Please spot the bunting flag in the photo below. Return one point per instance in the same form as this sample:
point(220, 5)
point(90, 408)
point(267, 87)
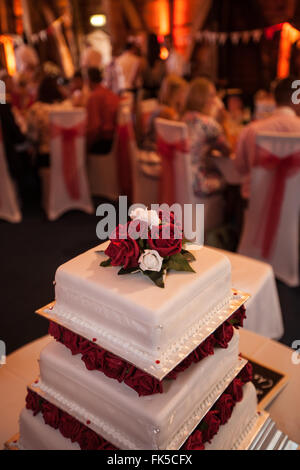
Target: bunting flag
point(239, 37)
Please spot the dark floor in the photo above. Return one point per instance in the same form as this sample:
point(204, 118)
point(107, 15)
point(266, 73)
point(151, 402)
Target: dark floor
point(30, 253)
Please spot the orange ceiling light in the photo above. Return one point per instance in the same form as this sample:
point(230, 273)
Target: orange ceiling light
point(9, 54)
point(181, 23)
point(157, 17)
point(289, 35)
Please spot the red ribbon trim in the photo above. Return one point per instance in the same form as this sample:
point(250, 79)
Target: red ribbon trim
point(283, 168)
point(168, 151)
point(69, 160)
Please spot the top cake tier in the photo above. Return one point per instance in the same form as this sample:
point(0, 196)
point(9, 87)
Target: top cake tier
point(134, 319)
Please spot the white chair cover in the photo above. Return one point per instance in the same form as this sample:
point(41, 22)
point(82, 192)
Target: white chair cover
point(172, 133)
point(103, 170)
point(68, 187)
point(144, 188)
point(271, 230)
point(9, 207)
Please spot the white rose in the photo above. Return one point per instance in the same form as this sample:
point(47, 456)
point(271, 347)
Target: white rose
point(150, 217)
point(150, 260)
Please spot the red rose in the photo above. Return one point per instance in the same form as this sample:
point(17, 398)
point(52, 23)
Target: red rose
point(33, 402)
point(55, 330)
point(88, 439)
point(93, 358)
point(237, 319)
point(71, 341)
point(224, 407)
point(224, 335)
point(107, 446)
point(167, 217)
point(51, 415)
point(206, 348)
point(210, 426)
point(235, 389)
point(114, 367)
point(124, 253)
point(138, 228)
point(246, 374)
point(143, 383)
point(194, 442)
point(70, 427)
point(85, 345)
point(166, 240)
point(185, 364)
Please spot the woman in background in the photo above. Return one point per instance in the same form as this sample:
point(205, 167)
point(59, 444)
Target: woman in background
point(171, 102)
point(49, 99)
point(205, 135)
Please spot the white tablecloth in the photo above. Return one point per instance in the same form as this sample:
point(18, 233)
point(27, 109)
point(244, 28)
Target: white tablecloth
point(22, 369)
point(263, 308)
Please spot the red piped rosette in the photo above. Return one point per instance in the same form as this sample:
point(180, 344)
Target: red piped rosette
point(114, 367)
point(88, 439)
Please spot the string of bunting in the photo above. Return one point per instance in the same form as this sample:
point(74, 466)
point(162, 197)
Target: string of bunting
point(238, 37)
point(43, 34)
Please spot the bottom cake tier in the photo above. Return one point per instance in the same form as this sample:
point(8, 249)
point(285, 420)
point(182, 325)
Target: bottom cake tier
point(36, 435)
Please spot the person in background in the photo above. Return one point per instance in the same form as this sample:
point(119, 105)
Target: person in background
point(102, 109)
point(284, 120)
point(130, 66)
point(38, 125)
point(15, 144)
point(154, 69)
point(171, 102)
point(113, 77)
point(78, 90)
point(205, 135)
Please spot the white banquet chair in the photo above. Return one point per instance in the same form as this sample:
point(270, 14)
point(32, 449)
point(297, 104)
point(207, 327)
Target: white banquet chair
point(173, 134)
point(9, 207)
point(144, 188)
point(103, 170)
point(271, 229)
point(67, 186)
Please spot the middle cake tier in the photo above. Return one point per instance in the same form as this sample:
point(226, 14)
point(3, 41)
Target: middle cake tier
point(114, 411)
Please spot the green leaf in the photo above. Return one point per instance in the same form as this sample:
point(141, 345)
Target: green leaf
point(179, 263)
point(157, 278)
point(123, 271)
point(188, 255)
point(106, 263)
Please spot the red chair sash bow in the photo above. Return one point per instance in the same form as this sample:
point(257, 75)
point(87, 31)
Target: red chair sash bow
point(69, 157)
point(168, 151)
point(283, 169)
point(124, 134)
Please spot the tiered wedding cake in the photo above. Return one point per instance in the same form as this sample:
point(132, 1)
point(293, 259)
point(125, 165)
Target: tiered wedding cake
point(135, 366)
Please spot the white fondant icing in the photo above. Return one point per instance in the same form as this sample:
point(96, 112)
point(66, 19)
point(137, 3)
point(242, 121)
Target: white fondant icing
point(36, 435)
point(119, 415)
point(134, 317)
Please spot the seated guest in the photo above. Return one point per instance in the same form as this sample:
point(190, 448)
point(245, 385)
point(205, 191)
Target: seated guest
point(205, 135)
point(78, 90)
point(171, 104)
point(38, 130)
point(102, 109)
point(284, 120)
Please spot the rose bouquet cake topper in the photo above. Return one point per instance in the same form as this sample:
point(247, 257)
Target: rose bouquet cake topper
point(150, 243)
